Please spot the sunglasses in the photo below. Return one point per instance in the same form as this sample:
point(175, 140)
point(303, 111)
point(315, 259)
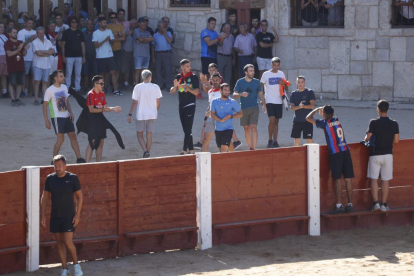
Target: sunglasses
point(263, 24)
point(113, 17)
point(166, 21)
point(101, 83)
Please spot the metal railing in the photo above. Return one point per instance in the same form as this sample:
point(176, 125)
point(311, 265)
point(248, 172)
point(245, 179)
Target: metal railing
point(317, 13)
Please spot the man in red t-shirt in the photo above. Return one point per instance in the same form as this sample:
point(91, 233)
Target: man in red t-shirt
point(96, 102)
point(15, 51)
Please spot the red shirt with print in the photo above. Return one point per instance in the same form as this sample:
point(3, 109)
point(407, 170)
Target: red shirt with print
point(97, 100)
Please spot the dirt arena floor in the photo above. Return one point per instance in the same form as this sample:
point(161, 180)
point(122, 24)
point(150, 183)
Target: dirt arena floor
point(385, 251)
point(25, 141)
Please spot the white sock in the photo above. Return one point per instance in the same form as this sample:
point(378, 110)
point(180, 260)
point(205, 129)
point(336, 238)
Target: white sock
point(25, 90)
point(4, 91)
point(338, 205)
point(349, 204)
point(126, 83)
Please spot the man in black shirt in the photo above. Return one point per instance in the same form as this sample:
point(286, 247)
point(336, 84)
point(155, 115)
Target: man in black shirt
point(188, 87)
point(382, 132)
point(89, 68)
point(302, 102)
point(265, 42)
point(73, 52)
point(62, 186)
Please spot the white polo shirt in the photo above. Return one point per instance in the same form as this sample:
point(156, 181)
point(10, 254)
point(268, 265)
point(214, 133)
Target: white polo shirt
point(41, 62)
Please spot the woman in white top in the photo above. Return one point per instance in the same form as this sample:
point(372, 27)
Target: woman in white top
point(3, 62)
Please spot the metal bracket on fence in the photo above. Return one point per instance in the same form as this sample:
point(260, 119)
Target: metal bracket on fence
point(204, 213)
point(314, 210)
point(33, 221)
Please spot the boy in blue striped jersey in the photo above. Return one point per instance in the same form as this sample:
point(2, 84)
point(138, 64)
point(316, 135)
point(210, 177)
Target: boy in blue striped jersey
point(340, 156)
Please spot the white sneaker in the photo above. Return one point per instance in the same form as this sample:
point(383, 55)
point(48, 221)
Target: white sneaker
point(78, 270)
point(376, 207)
point(384, 207)
point(65, 272)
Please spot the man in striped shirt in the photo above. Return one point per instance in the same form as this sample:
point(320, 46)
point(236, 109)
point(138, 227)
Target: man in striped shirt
point(339, 154)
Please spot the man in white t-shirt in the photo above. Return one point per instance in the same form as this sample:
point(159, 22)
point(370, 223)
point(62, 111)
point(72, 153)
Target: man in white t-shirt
point(27, 35)
point(271, 81)
point(56, 97)
point(103, 38)
point(146, 96)
point(60, 26)
point(42, 50)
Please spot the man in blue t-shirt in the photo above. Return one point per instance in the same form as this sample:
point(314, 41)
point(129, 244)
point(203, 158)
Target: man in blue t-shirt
point(247, 89)
point(302, 102)
point(209, 40)
point(223, 110)
point(340, 156)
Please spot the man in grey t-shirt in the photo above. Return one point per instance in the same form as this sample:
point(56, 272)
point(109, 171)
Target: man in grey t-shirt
point(335, 12)
point(142, 38)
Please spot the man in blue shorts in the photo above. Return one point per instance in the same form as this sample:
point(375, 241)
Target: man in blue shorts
point(223, 110)
point(340, 156)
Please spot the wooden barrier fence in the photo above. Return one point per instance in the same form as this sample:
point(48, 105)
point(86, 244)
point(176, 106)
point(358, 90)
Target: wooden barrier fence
point(150, 205)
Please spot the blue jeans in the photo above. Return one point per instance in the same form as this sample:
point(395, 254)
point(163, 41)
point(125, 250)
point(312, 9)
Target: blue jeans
point(70, 61)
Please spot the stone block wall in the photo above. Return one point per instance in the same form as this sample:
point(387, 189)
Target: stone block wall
point(365, 60)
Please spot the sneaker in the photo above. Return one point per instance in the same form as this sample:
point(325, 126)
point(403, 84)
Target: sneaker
point(270, 144)
point(80, 160)
point(146, 154)
point(384, 207)
point(19, 102)
point(117, 93)
point(65, 272)
point(376, 207)
point(51, 163)
point(23, 95)
point(275, 145)
point(349, 209)
point(78, 270)
point(36, 103)
point(198, 145)
point(183, 153)
point(13, 103)
point(237, 144)
point(337, 210)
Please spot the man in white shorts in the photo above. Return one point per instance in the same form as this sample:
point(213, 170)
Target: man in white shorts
point(382, 133)
point(146, 96)
point(265, 42)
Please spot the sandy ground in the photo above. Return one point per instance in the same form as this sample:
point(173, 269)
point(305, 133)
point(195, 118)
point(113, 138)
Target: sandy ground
point(384, 251)
point(25, 141)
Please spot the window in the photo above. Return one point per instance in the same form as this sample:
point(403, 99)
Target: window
point(317, 13)
point(190, 3)
point(402, 13)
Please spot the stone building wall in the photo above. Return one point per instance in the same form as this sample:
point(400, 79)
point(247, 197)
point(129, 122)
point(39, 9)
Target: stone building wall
point(366, 60)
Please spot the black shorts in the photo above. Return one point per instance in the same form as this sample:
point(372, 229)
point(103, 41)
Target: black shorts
point(105, 64)
point(16, 77)
point(274, 110)
point(63, 125)
point(205, 62)
point(223, 138)
point(341, 164)
point(305, 127)
point(60, 225)
point(118, 59)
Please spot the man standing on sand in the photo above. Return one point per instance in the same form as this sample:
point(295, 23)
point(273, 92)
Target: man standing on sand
point(62, 187)
point(385, 132)
point(302, 102)
point(247, 89)
point(223, 110)
point(186, 83)
point(272, 80)
point(96, 102)
point(15, 51)
point(146, 96)
point(340, 157)
point(56, 97)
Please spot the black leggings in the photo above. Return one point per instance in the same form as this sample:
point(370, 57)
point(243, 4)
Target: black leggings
point(187, 118)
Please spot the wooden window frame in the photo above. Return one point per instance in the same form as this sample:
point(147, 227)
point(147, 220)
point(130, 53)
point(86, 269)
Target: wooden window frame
point(295, 21)
point(180, 4)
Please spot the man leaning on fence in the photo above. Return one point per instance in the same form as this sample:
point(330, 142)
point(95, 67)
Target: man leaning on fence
point(382, 133)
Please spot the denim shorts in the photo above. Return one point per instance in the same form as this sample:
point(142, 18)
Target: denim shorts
point(27, 67)
point(141, 62)
point(40, 74)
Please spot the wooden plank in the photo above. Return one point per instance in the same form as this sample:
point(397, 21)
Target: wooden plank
point(136, 193)
point(15, 10)
point(134, 13)
point(61, 5)
point(160, 200)
point(104, 5)
point(160, 180)
point(259, 222)
point(161, 171)
point(259, 208)
point(30, 7)
point(121, 202)
point(159, 162)
point(12, 234)
point(83, 240)
point(160, 232)
point(90, 10)
point(158, 225)
point(14, 250)
point(159, 209)
point(76, 8)
point(118, 5)
point(168, 220)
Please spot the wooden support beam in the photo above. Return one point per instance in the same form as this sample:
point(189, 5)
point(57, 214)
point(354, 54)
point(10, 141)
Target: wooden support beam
point(118, 5)
point(30, 8)
point(44, 12)
point(90, 10)
point(104, 6)
point(133, 9)
point(76, 8)
point(15, 10)
point(61, 5)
